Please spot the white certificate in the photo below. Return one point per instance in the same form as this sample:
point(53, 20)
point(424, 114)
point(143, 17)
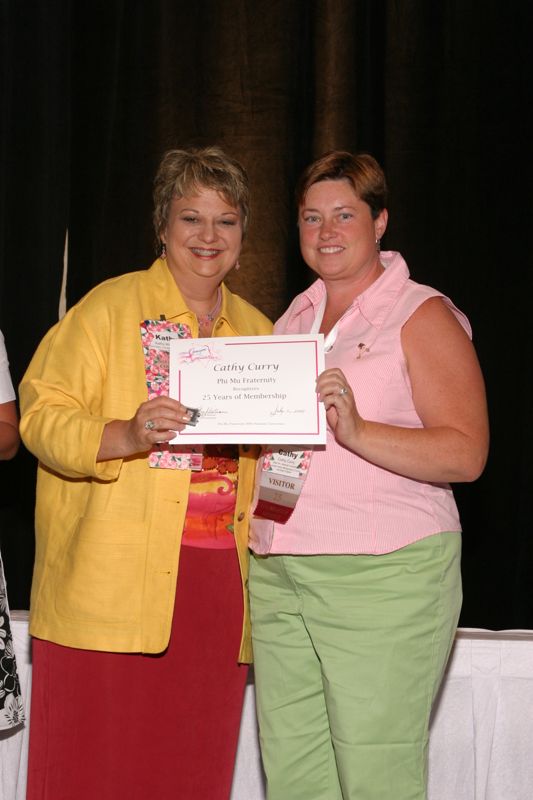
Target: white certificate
point(250, 389)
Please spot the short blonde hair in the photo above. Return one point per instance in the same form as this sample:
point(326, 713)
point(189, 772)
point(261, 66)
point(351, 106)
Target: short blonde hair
point(184, 172)
point(362, 171)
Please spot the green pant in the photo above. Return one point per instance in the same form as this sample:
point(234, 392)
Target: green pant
point(349, 653)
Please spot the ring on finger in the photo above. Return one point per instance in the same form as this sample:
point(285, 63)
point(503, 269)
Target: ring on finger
point(149, 425)
point(344, 390)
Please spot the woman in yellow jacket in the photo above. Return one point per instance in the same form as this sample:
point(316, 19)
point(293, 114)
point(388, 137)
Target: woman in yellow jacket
point(137, 686)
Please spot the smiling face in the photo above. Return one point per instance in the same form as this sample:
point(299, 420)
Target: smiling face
point(203, 238)
point(338, 235)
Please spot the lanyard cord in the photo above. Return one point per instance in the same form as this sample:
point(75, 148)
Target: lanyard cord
point(331, 338)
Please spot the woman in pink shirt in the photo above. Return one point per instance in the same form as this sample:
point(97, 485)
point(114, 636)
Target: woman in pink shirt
point(355, 597)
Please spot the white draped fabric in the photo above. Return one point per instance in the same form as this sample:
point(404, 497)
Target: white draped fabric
point(481, 740)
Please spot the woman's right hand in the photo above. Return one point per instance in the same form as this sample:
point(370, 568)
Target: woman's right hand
point(154, 422)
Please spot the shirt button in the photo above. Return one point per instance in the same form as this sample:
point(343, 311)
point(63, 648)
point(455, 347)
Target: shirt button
point(240, 517)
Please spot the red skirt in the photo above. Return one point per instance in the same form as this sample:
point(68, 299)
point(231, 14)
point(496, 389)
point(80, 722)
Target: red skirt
point(119, 726)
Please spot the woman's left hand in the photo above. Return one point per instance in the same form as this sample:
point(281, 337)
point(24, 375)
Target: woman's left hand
point(343, 417)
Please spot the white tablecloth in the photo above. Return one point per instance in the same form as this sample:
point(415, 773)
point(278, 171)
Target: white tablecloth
point(481, 740)
point(481, 737)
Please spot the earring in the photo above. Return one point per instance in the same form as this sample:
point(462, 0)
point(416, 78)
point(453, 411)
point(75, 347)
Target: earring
point(378, 245)
point(163, 252)
point(237, 265)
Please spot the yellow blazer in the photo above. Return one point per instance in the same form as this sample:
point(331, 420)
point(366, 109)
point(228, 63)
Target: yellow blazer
point(108, 534)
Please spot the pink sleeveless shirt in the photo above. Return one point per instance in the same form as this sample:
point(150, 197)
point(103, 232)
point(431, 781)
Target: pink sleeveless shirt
point(349, 505)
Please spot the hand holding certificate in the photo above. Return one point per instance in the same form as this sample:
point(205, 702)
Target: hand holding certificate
point(250, 389)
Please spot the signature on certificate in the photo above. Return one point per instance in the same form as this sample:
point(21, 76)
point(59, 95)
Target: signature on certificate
point(282, 411)
point(209, 412)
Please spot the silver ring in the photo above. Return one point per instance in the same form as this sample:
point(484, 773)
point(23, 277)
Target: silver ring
point(149, 424)
point(344, 390)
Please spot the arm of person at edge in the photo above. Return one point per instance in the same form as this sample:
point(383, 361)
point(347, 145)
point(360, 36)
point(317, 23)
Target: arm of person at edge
point(448, 395)
point(9, 430)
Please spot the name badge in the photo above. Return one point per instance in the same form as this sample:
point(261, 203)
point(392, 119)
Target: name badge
point(282, 477)
point(156, 335)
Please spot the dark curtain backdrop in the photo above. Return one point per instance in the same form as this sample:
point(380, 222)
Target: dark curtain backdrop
point(93, 93)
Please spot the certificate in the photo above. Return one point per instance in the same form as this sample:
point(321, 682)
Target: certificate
point(250, 389)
